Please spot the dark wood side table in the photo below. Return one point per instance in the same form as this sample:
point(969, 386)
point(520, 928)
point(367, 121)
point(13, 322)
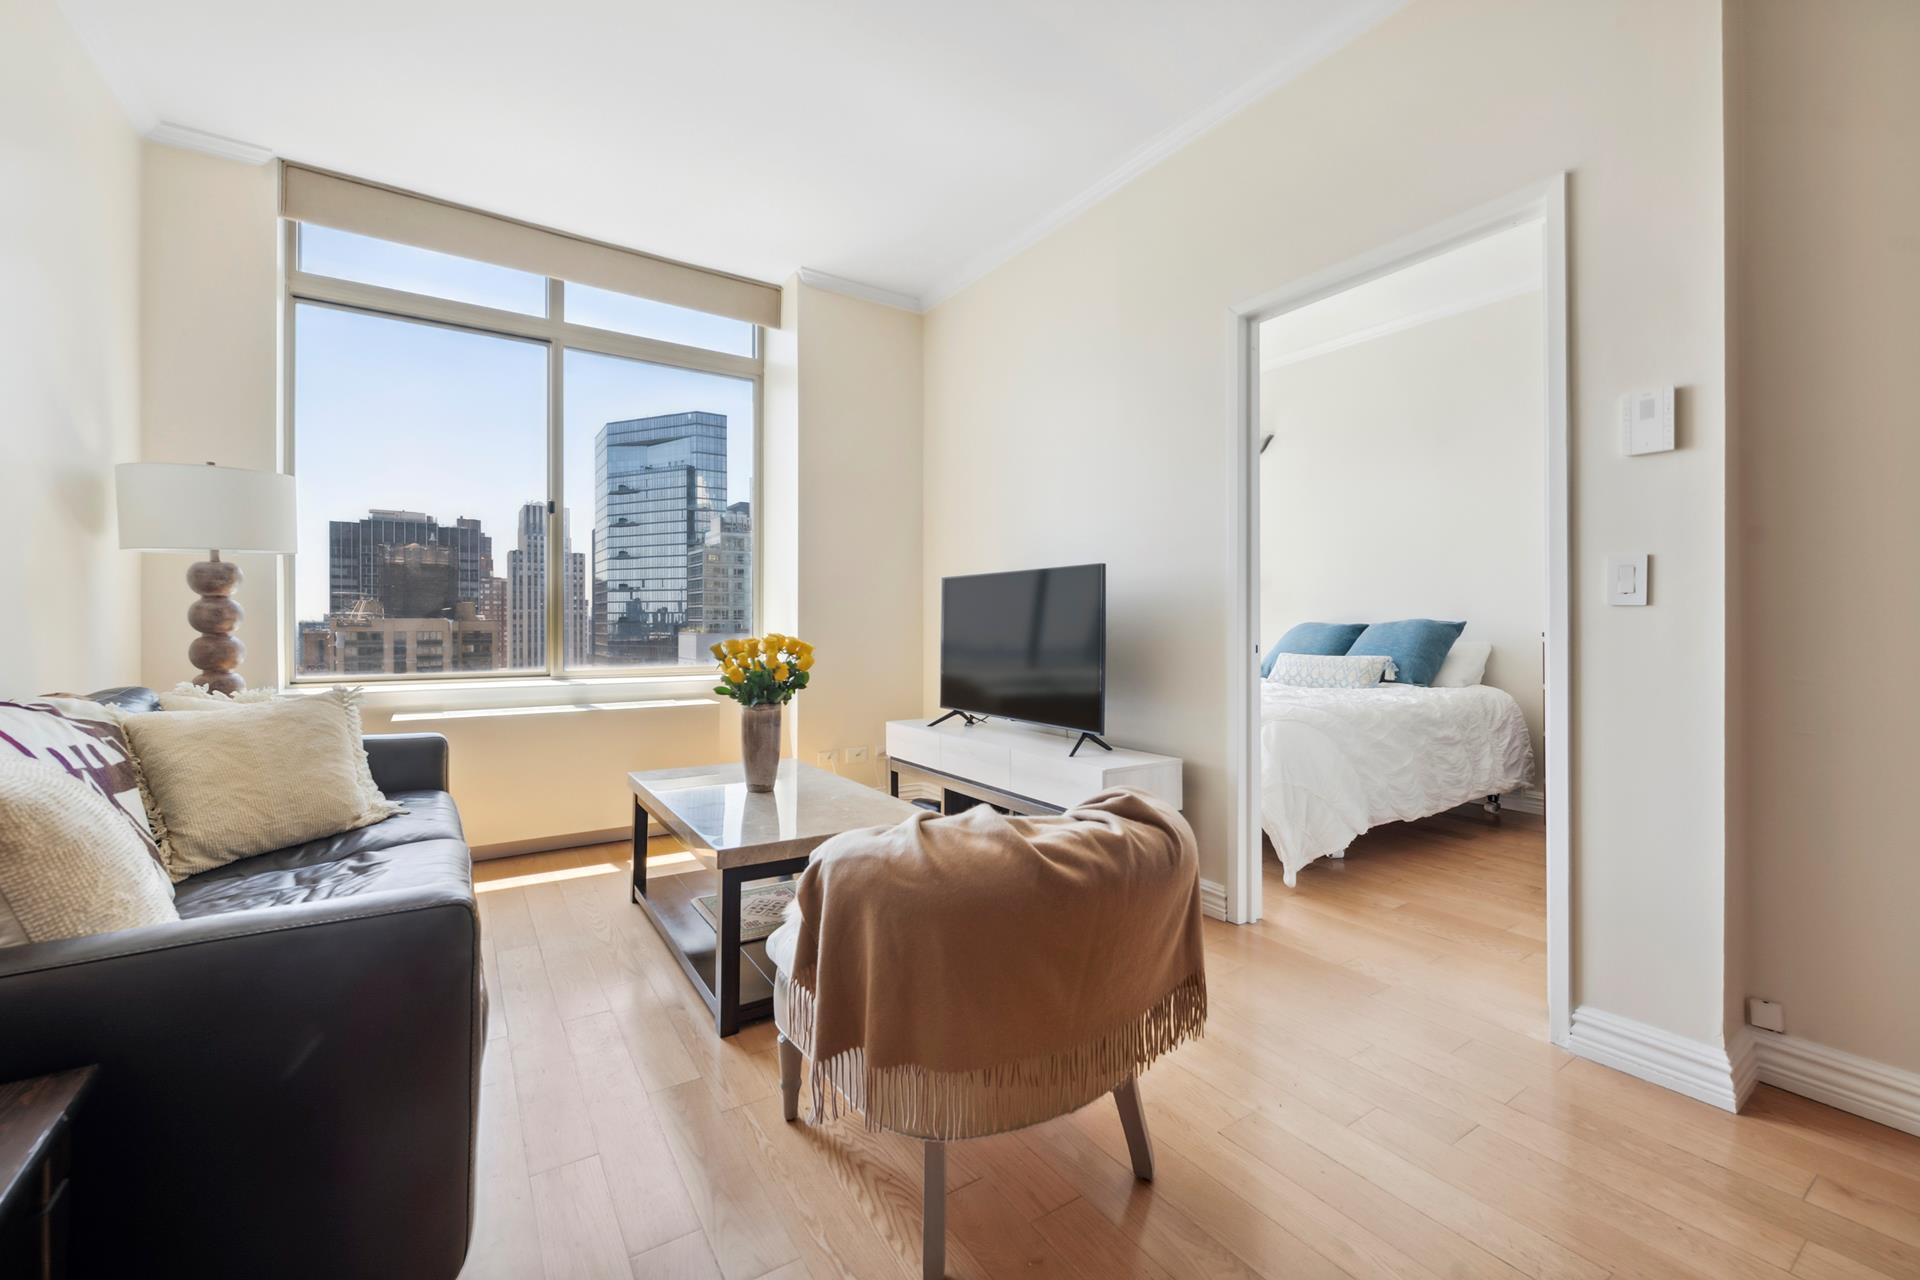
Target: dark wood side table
point(36, 1122)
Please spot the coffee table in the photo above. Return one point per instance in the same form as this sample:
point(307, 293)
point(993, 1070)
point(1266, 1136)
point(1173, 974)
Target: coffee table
point(750, 837)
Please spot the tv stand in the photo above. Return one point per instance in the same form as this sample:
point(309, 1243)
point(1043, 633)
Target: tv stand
point(1084, 739)
point(968, 716)
point(1019, 767)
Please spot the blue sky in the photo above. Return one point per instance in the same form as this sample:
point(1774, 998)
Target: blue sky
point(391, 413)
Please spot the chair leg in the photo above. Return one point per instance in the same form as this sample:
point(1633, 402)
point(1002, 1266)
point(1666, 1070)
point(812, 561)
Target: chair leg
point(933, 1213)
point(789, 1079)
point(1133, 1120)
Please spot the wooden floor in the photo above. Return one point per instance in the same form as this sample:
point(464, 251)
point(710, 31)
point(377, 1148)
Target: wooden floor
point(1374, 1096)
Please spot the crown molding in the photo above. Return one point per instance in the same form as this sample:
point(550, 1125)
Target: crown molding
point(168, 134)
point(119, 81)
point(857, 289)
point(1354, 18)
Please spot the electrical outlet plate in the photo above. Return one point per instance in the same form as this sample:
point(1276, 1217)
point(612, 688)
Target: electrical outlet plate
point(856, 755)
point(825, 759)
point(1768, 1015)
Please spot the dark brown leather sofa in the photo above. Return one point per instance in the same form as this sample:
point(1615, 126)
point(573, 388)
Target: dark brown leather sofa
point(289, 1075)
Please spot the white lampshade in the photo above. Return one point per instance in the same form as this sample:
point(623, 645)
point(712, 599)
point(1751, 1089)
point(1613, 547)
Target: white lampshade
point(167, 506)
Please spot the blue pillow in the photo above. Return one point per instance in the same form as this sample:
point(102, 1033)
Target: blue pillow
point(1329, 639)
point(1417, 646)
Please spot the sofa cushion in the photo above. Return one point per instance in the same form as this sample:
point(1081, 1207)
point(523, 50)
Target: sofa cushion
point(422, 847)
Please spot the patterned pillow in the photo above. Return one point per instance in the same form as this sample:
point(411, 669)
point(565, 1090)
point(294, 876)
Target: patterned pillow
point(1329, 671)
point(84, 740)
point(70, 862)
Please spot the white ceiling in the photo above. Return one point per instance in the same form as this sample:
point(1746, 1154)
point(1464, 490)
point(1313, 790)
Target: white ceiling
point(907, 146)
point(1495, 267)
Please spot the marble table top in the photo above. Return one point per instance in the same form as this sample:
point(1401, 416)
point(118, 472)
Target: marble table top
point(709, 807)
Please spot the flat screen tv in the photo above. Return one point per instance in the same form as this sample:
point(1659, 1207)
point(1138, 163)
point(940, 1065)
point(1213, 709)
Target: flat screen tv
point(1029, 645)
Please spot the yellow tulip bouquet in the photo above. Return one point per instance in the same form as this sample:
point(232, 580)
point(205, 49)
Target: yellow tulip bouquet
point(764, 670)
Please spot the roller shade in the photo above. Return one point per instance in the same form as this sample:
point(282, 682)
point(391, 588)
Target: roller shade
point(346, 204)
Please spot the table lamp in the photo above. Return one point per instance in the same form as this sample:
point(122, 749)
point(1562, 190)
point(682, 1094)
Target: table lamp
point(177, 507)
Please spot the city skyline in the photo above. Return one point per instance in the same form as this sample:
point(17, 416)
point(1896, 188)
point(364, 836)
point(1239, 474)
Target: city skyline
point(396, 415)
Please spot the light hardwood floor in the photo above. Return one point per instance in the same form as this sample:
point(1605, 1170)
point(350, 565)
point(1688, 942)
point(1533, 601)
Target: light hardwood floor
point(1373, 1096)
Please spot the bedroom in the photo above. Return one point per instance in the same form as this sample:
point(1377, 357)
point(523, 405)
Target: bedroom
point(1402, 608)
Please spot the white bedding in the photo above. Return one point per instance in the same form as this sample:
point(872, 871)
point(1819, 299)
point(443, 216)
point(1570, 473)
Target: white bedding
point(1336, 762)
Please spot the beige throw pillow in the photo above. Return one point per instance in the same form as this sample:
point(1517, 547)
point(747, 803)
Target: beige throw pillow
point(256, 777)
point(70, 863)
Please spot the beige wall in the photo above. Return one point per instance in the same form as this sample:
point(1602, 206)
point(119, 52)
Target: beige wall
point(209, 385)
point(1828, 283)
point(1077, 402)
point(849, 512)
point(1406, 479)
point(69, 362)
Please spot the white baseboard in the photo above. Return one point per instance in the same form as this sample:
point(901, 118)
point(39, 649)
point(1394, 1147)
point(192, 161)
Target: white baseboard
point(546, 844)
point(1887, 1095)
point(1706, 1072)
point(1530, 800)
point(1213, 900)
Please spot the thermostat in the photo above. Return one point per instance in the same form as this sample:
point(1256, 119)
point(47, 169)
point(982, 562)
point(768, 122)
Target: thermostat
point(1646, 421)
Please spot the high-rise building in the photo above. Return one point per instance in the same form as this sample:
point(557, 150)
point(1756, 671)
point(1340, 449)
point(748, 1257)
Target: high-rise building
point(656, 484)
point(527, 594)
point(720, 575)
point(364, 641)
point(356, 549)
point(416, 581)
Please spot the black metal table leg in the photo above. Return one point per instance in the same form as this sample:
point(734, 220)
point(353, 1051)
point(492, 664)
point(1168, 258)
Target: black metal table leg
point(639, 852)
point(726, 958)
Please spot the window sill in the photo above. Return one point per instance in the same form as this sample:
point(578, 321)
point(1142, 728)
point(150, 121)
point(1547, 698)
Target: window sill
point(569, 708)
point(414, 701)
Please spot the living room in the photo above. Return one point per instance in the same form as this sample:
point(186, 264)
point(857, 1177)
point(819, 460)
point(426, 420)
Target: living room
point(886, 428)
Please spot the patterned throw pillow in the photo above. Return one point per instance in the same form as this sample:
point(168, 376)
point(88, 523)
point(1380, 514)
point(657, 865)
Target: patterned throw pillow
point(1329, 671)
point(85, 741)
point(70, 862)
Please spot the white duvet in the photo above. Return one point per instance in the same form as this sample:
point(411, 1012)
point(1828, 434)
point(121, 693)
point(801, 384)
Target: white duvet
point(1336, 762)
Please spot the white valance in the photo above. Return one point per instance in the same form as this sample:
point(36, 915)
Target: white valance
point(347, 204)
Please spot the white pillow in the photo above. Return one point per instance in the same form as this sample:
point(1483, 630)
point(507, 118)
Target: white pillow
point(255, 777)
point(1466, 663)
point(1330, 671)
point(70, 862)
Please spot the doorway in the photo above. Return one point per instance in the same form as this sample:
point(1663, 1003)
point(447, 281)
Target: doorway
point(1314, 317)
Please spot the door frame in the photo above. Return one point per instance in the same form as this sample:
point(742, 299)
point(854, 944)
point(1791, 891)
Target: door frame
point(1545, 203)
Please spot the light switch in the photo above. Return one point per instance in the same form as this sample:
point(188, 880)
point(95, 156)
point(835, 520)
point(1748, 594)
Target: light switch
point(1627, 580)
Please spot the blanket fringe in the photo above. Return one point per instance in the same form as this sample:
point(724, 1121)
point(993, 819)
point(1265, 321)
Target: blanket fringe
point(1006, 1096)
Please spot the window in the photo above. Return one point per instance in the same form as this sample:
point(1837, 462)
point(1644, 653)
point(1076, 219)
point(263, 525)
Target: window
point(365, 260)
point(431, 519)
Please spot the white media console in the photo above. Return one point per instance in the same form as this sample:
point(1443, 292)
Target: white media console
point(1022, 768)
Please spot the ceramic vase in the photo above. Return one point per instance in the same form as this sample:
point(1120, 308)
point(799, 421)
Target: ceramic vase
point(760, 745)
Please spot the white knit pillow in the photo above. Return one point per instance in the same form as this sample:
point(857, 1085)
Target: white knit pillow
point(70, 863)
point(1330, 671)
point(256, 777)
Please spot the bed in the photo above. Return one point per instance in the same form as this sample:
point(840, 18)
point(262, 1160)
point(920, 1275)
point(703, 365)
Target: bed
point(1337, 762)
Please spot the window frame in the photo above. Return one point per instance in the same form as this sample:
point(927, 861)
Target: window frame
point(558, 336)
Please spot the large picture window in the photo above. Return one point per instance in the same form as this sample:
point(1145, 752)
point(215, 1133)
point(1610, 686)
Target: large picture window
point(501, 473)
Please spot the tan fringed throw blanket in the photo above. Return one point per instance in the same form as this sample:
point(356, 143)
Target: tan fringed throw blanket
point(963, 976)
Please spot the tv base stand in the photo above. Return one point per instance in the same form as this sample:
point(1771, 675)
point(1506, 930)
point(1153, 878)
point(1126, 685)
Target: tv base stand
point(967, 716)
point(1019, 767)
point(1084, 739)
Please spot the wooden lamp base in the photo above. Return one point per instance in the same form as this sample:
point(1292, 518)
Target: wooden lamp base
point(215, 615)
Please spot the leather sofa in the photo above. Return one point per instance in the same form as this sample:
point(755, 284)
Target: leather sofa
point(290, 1074)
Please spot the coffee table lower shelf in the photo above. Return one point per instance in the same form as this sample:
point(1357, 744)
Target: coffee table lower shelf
point(739, 992)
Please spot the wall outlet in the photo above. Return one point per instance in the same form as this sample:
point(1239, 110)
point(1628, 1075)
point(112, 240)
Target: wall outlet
point(1766, 1015)
point(856, 755)
point(826, 759)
